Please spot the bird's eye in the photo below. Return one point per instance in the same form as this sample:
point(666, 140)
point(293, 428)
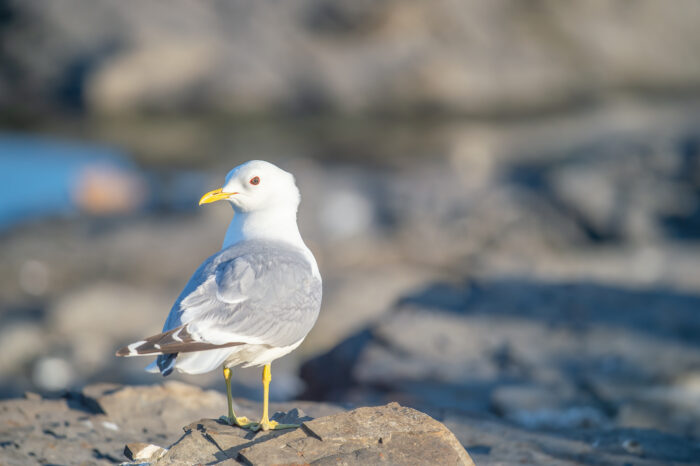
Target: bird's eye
point(255, 180)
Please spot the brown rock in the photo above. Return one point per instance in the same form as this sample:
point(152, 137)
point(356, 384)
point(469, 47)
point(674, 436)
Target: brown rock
point(209, 441)
point(390, 434)
point(143, 451)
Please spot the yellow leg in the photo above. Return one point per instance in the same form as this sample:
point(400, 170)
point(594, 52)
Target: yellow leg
point(265, 423)
point(232, 419)
point(266, 378)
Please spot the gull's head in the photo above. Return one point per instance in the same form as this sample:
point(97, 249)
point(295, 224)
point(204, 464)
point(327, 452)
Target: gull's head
point(256, 185)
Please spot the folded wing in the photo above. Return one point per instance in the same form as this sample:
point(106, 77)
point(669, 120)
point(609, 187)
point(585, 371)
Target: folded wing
point(254, 292)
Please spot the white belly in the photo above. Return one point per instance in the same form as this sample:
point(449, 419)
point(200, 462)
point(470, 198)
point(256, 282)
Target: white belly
point(258, 355)
point(201, 362)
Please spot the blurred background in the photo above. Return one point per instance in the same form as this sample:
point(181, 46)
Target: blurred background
point(503, 196)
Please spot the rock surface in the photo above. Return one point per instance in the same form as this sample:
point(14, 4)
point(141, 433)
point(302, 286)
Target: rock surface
point(94, 426)
point(103, 421)
point(389, 434)
point(102, 424)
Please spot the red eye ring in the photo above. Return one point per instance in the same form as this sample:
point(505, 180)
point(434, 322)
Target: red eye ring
point(255, 180)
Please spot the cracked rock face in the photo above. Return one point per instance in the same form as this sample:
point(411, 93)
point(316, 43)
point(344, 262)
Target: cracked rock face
point(389, 434)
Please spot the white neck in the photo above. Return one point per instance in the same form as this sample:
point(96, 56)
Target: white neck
point(270, 224)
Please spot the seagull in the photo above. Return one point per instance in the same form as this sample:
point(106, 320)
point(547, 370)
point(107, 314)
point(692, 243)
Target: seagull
point(253, 301)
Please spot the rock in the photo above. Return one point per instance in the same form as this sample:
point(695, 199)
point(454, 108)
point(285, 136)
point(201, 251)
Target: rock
point(75, 429)
point(165, 408)
point(57, 431)
point(391, 434)
point(158, 408)
point(145, 452)
point(193, 448)
point(94, 425)
point(210, 441)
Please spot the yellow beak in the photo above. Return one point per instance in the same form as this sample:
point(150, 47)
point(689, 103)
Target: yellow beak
point(213, 196)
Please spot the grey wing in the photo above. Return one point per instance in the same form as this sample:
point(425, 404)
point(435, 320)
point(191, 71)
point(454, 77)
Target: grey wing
point(263, 296)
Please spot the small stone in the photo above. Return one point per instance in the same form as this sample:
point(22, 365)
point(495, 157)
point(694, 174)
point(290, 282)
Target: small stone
point(143, 451)
point(110, 425)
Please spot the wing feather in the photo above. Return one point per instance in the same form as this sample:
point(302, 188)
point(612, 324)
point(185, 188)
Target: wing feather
point(178, 340)
point(256, 292)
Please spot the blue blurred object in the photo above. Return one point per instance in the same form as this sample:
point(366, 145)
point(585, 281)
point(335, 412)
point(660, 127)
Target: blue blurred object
point(40, 177)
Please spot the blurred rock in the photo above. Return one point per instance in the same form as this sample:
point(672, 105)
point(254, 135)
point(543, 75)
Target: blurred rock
point(670, 406)
point(541, 407)
point(490, 442)
point(618, 192)
point(19, 344)
point(349, 57)
point(34, 277)
point(53, 374)
point(553, 356)
point(96, 319)
point(346, 213)
point(356, 300)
